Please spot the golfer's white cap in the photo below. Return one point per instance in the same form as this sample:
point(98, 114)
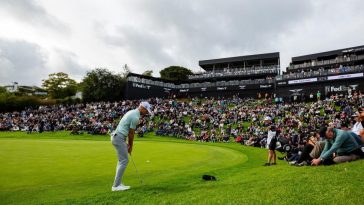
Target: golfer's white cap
point(267, 118)
point(147, 106)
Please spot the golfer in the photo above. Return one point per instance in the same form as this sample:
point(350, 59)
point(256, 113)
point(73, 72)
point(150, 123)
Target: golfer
point(126, 128)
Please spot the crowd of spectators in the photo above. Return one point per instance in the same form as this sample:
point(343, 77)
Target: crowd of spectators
point(93, 118)
point(322, 72)
point(202, 119)
point(236, 72)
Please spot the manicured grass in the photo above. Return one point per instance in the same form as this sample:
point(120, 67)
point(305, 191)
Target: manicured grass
point(56, 168)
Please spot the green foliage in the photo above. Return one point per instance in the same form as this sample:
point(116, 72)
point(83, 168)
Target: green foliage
point(68, 101)
point(125, 71)
point(59, 85)
point(12, 102)
point(102, 85)
point(175, 73)
point(148, 73)
point(2, 89)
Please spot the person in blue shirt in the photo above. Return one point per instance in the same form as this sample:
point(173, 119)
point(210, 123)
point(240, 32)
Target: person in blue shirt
point(126, 129)
point(345, 145)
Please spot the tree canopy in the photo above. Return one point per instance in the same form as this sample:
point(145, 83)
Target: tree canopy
point(175, 73)
point(102, 85)
point(125, 71)
point(60, 85)
point(2, 89)
point(148, 73)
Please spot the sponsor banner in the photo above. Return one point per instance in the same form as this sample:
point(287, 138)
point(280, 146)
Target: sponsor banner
point(282, 83)
point(228, 88)
point(137, 85)
point(307, 80)
point(296, 91)
point(40, 93)
point(337, 77)
point(341, 88)
point(265, 86)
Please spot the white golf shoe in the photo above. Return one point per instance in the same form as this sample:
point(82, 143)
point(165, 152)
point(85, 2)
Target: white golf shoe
point(128, 187)
point(121, 187)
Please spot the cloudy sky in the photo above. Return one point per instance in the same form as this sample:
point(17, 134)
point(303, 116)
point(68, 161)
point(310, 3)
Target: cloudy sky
point(39, 37)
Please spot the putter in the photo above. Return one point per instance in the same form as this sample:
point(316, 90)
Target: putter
point(141, 181)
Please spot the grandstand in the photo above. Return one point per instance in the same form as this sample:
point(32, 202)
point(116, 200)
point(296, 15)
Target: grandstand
point(328, 73)
point(243, 76)
point(337, 72)
point(143, 87)
point(246, 67)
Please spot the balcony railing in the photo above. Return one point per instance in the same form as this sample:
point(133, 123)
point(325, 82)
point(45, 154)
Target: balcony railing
point(340, 59)
point(236, 72)
point(319, 73)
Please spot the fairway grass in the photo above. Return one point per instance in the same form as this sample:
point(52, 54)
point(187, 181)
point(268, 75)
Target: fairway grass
point(56, 168)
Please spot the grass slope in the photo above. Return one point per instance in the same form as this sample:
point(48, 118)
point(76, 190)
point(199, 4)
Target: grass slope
point(56, 168)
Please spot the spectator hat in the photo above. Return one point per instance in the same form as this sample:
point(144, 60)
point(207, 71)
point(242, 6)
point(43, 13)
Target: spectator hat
point(322, 132)
point(147, 106)
point(267, 118)
point(356, 114)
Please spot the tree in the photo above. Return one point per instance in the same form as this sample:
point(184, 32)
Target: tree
point(148, 73)
point(2, 89)
point(126, 71)
point(175, 73)
point(102, 85)
point(59, 85)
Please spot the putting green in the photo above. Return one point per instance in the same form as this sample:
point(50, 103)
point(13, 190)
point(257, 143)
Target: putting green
point(42, 171)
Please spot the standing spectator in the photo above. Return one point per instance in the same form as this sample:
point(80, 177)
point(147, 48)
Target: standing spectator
point(271, 142)
point(318, 95)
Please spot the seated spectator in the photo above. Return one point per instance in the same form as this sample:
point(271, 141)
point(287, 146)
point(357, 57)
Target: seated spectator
point(304, 157)
point(344, 144)
point(239, 139)
point(359, 121)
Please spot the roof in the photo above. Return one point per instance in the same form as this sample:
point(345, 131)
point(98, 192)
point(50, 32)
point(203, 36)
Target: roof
point(208, 63)
point(327, 53)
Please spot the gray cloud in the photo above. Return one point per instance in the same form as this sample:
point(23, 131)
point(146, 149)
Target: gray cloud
point(27, 63)
point(183, 32)
point(21, 61)
point(143, 45)
point(155, 34)
point(67, 62)
point(28, 11)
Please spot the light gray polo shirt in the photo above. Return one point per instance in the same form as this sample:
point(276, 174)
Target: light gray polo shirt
point(129, 121)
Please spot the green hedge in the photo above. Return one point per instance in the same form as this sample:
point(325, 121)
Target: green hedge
point(10, 102)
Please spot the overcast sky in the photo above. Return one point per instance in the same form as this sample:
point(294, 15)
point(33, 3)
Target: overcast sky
point(39, 37)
